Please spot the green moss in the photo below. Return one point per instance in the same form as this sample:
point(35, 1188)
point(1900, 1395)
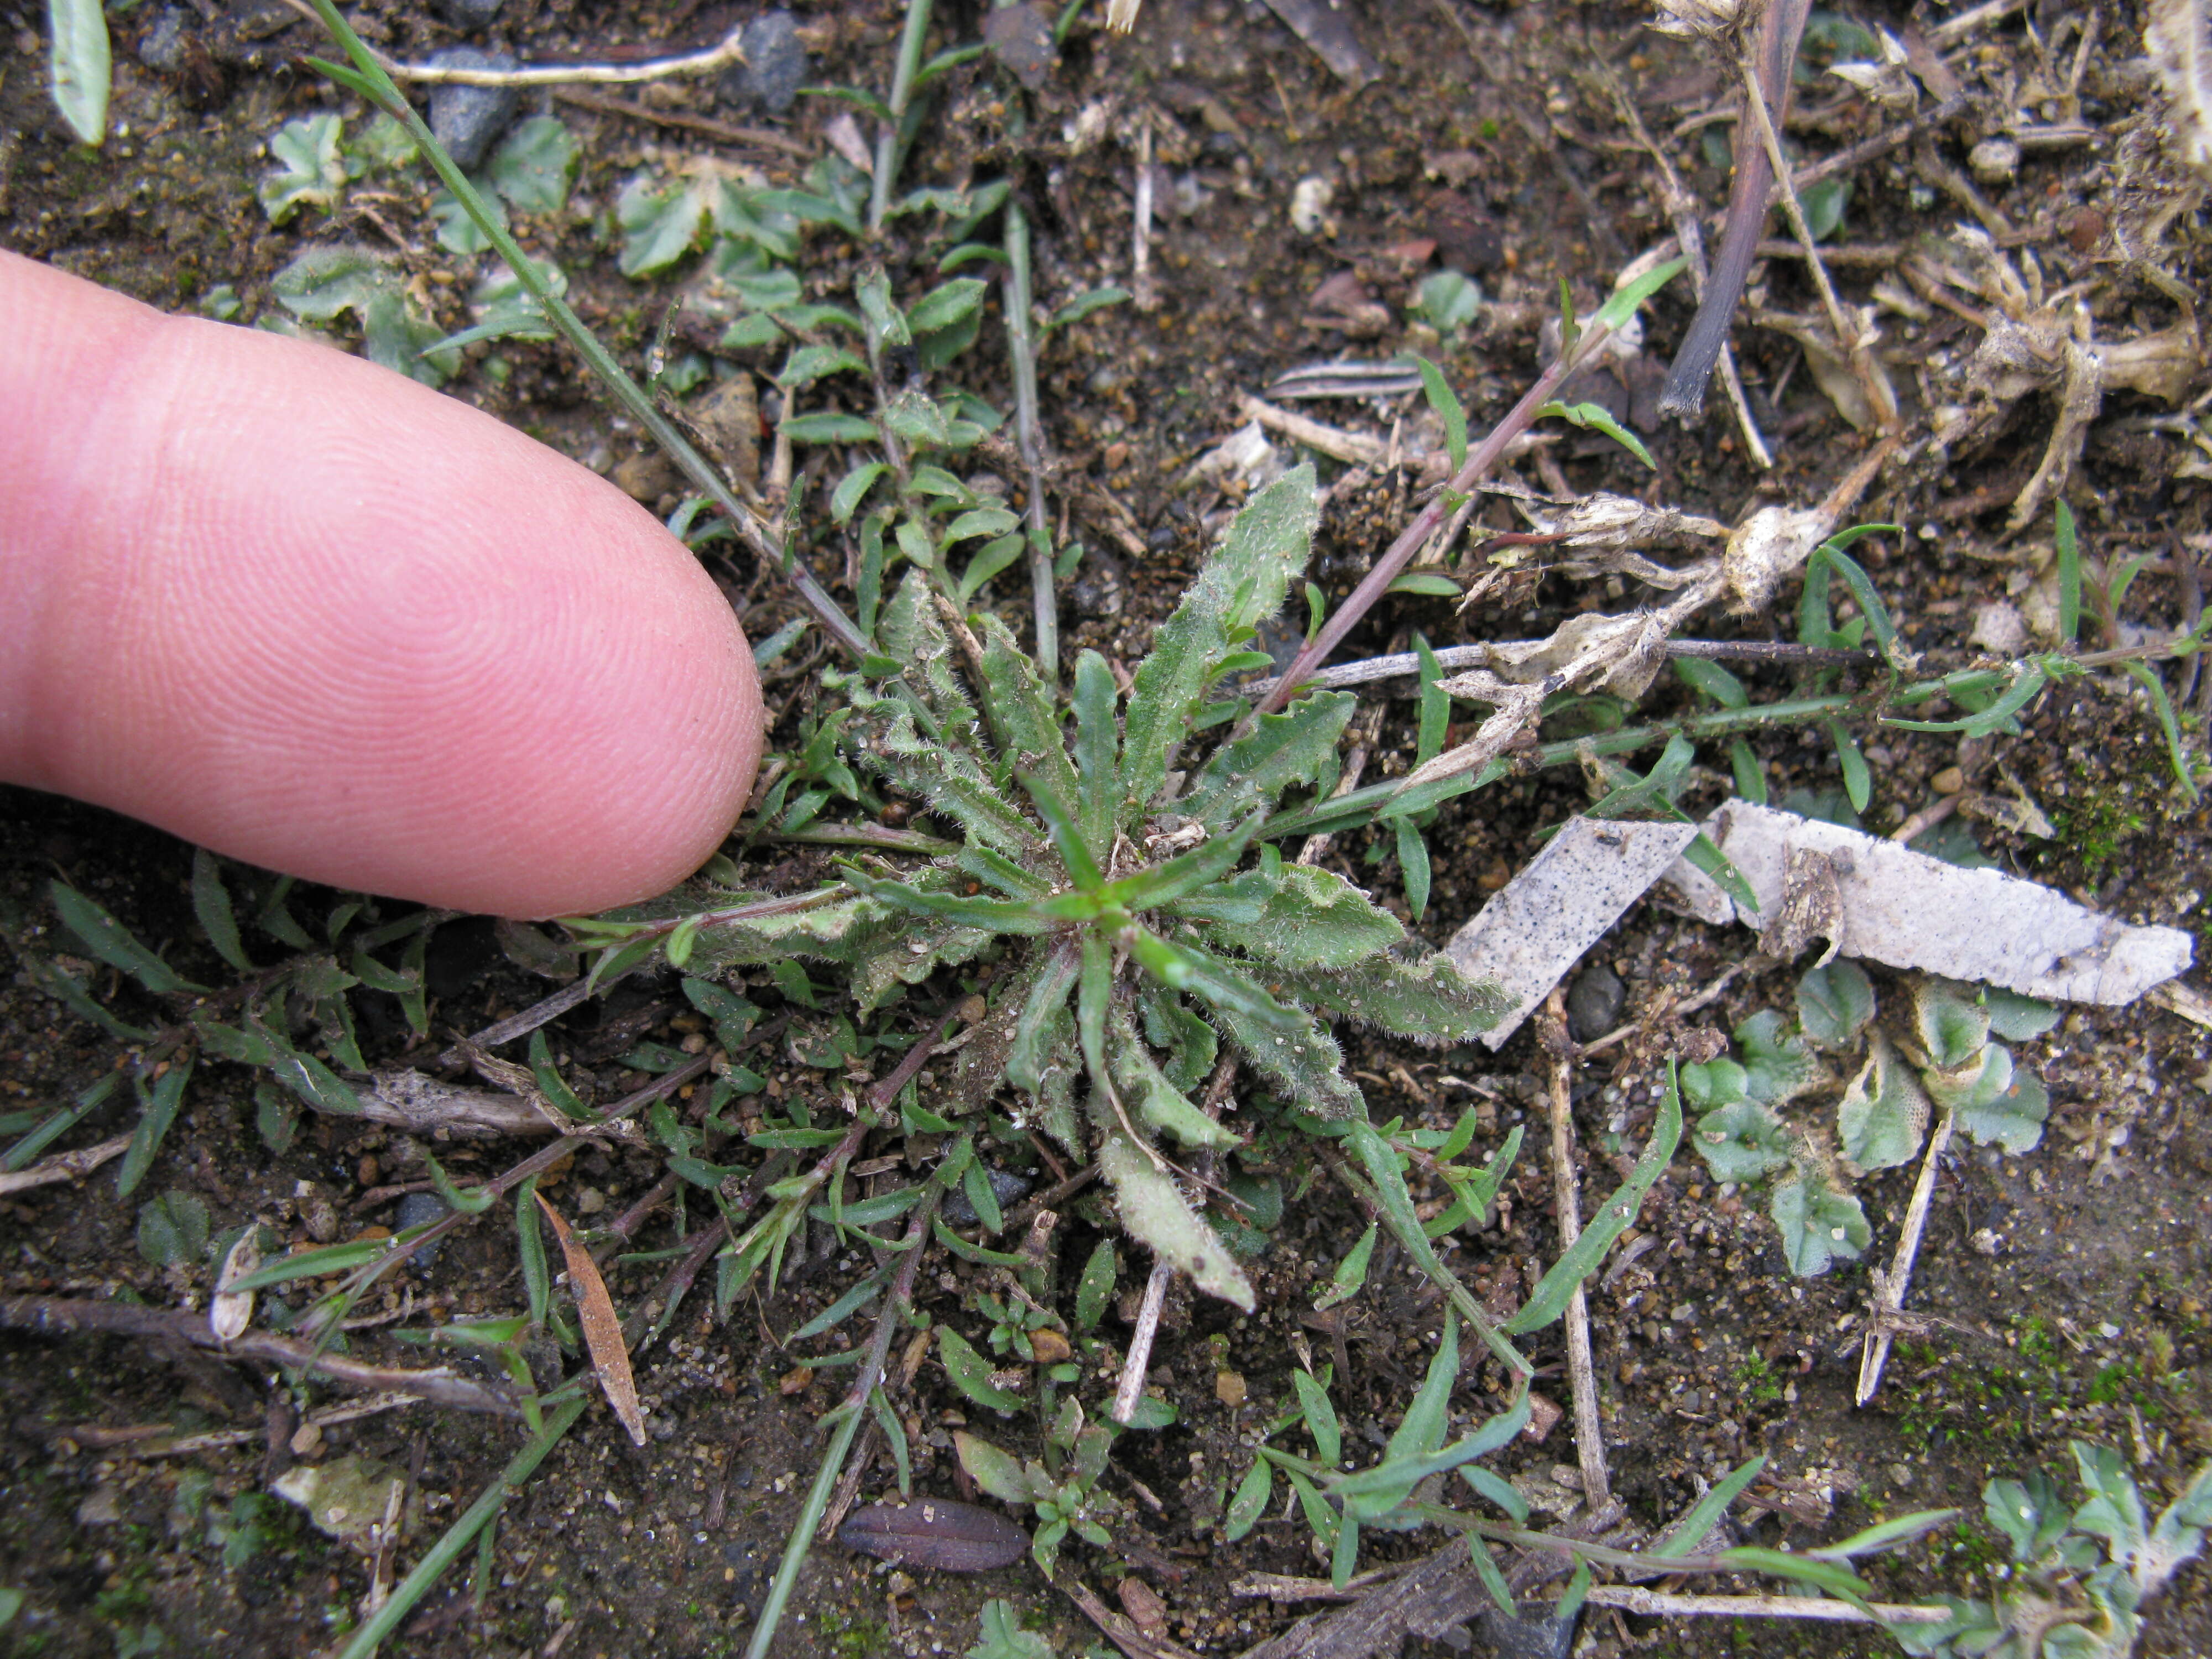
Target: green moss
point(851, 1637)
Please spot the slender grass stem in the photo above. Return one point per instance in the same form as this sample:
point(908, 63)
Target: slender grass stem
point(891, 144)
point(457, 1537)
point(851, 1412)
point(1021, 348)
point(368, 79)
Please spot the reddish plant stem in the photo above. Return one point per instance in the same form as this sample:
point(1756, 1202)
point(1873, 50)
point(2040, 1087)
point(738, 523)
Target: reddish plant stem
point(1377, 580)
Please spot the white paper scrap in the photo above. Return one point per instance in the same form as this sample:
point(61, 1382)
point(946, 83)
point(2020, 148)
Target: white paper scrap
point(1539, 923)
point(1908, 910)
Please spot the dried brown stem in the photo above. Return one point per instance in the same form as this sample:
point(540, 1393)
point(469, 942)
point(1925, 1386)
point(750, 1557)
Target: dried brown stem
point(53, 1315)
point(1890, 1287)
point(1132, 1385)
point(1582, 1369)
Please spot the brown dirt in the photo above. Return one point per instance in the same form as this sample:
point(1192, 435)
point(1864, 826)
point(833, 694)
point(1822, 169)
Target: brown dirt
point(2089, 1320)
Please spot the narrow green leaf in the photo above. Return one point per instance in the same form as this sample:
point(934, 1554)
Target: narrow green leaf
point(1186, 872)
point(1413, 866)
point(1690, 1532)
point(1596, 418)
point(1709, 679)
point(1096, 1289)
point(529, 1249)
point(1250, 1501)
point(1427, 584)
point(113, 944)
point(945, 305)
point(315, 1264)
point(1862, 587)
point(463, 1200)
point(852, 488)
point(1623, 302)
point(82, 65)
point(1485, 1569)
point(157, 1109)
point(212, 904)
point(1097, 751)
point(971, 1373)
point(2070, 574)
point(1549, 1299)
point(1321, 1418)
point(1442, 399)
point(1351, 1274)
point(2147, 676)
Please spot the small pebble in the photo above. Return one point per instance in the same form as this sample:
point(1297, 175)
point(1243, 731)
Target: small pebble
point(470, 14)
point(1593, 1003)
point(1006, 1186)
point(468, 120)
point(415, 1209)
point(776, 63)
point(1309, 201)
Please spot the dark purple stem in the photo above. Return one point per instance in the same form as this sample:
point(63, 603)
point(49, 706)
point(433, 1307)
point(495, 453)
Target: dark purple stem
point(1377, 580)
point(1685, 393)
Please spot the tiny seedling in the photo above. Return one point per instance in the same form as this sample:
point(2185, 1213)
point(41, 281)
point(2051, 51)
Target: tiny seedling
point(2079, 1578)
point(1946, 1061)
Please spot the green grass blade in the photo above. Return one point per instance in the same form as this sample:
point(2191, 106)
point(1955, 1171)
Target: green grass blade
point(1549, 1299)
point(447, 1550)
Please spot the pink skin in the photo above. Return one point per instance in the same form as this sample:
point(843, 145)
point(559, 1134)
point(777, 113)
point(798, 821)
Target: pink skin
point(302, 611)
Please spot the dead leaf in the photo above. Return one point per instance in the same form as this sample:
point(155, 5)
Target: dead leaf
point(232, 1311)
point(1142, 1603)
point(1908, 910)
point(603, 1333)
point(2178, 37)
point(1812, 906)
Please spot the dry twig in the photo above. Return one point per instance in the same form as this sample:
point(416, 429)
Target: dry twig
point(1582, 1369)
point(158, 1326)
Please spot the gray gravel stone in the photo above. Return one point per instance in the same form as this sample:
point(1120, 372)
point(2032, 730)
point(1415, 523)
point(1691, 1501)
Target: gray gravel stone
point(468, 120)
point(415, 1209)
point(776, 63)
point(470, 14)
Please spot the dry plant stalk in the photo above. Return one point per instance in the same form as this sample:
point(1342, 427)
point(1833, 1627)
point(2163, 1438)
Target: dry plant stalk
point(1582, 1368)
point(602, 1331)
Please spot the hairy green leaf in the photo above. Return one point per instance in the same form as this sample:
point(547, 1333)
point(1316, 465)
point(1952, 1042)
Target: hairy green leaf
point(1282, 751)
point(1154, 1214)
point(1158, 1101)
point(1305, 1063)
point(1430, 1000)
point(1242, 583)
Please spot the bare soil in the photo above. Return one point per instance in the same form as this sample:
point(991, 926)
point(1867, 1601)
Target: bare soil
point(2065, 1292)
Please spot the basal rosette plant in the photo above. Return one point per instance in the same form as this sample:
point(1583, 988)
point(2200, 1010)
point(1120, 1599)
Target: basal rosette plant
point(1121, 878)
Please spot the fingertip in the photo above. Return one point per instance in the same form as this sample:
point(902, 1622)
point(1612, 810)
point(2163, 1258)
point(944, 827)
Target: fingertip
point(329, 622)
